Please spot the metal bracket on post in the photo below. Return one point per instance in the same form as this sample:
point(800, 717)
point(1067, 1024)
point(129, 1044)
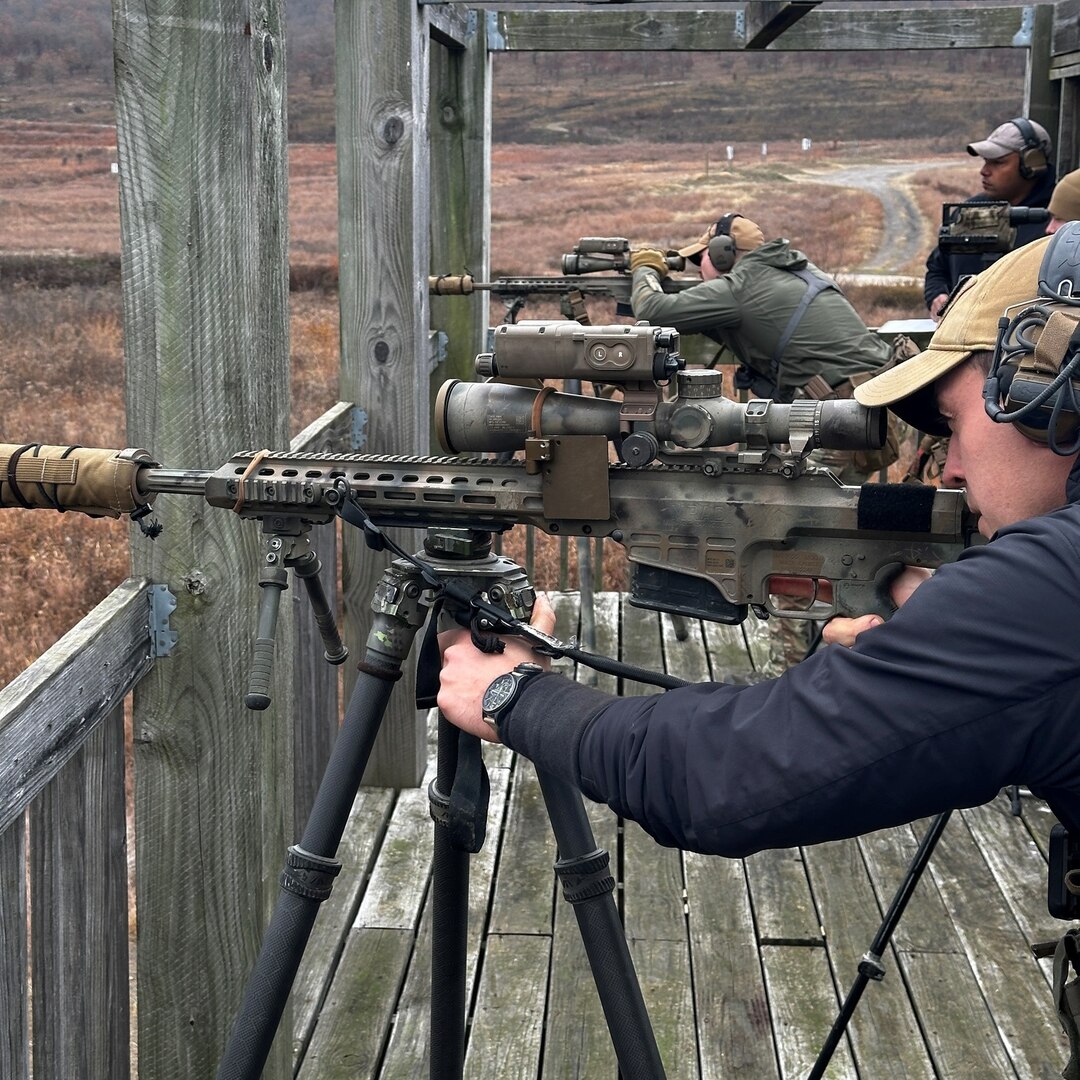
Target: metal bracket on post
point(359, 428)
point(162, 605)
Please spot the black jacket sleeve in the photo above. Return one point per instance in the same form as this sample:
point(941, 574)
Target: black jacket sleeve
point(973, 685)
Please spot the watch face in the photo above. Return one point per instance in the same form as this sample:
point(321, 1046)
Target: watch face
point(498, 693)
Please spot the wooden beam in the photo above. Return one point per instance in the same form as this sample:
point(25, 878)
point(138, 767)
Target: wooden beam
point(765, 22)
point(452, 25)
point(824, 30)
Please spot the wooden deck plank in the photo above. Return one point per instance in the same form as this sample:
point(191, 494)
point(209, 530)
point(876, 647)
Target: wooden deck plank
point(803, 1005)
point(525, 886)
point(1011, 982)
point(783, 905)
point(359, 845)
point(408, 1051)
point(356, 1015)
point(508, 1023)
point(734, 1030)
point(884, 1031)
point(955, 1020)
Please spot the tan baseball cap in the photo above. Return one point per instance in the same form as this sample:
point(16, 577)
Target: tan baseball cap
point(743, 231)
point(969, 325)
point(1065, 202)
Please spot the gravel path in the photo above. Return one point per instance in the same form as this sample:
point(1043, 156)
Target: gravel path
point(903, 240)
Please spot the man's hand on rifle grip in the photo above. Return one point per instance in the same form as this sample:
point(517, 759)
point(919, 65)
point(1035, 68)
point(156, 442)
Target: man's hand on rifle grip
point(467, 672)
point(841, 631)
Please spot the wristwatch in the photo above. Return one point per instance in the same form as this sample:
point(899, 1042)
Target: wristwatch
point(504, 690)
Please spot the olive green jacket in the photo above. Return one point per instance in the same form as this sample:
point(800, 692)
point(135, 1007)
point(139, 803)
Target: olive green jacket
point(748, 310)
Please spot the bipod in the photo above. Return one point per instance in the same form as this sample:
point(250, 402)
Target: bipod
point(454, 565)
point(870, 966)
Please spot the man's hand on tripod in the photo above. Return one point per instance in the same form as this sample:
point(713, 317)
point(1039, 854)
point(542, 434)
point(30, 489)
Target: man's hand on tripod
point(467, 672)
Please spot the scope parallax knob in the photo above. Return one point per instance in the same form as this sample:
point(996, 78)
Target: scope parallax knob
point(639, 448)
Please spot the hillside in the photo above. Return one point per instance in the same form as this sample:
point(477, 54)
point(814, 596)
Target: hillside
point(56, 64)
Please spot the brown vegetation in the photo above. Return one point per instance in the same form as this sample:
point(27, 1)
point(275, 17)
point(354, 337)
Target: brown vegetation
point(61, 351)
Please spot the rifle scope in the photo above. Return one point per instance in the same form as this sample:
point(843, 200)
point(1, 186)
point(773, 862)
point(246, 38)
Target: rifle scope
point(595, 254)
point(568, 350)
point(498, 417)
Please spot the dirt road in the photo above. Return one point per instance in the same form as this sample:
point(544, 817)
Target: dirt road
point(903, 240)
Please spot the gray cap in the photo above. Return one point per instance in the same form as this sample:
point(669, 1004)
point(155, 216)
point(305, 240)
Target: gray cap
point(1008, 139)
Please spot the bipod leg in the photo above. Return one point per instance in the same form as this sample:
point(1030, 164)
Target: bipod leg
point(310, 867)
point(870, 967)
point(588, 885)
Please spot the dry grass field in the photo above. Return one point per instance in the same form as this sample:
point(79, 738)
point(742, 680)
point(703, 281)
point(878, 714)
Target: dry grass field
point(61, 350)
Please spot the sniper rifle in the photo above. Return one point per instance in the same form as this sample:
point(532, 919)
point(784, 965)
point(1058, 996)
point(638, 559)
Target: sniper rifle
point(714, 501)
point(607, 257)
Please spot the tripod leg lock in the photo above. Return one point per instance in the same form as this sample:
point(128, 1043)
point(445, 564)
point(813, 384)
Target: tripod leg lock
point(307, 875)
point(871, 967)
point(586, 876)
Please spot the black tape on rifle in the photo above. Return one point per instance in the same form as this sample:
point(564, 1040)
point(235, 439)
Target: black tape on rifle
point(896, 507)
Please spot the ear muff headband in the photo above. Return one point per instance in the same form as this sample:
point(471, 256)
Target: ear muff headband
point(722, 245)
point(1033, 159)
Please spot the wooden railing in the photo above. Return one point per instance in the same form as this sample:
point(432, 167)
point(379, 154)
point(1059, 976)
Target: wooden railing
point(64, 902)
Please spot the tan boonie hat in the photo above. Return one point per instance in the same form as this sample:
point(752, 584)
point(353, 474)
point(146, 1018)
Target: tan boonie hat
point(1008, 139)
point(1065, 202)
point(743, 231)
point(969, 325)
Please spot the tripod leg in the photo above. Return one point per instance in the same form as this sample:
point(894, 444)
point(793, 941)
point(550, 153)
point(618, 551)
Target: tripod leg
point(311, 866)
point(449, 929)
point(870, 966)
point(588, 885)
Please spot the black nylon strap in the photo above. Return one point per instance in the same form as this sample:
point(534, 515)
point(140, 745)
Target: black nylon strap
point(815, 283)
point(13, 483)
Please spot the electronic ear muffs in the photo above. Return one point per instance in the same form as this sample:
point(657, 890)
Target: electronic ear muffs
point(1034, 379)
point(722, 244)
point(1033, 159)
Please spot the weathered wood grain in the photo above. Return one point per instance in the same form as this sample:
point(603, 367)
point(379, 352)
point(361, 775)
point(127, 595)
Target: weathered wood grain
point(1012, 984)
point(734, 1031)
point(50, 709)
point(14, 1000)
point(79, 914)
point(359, 845)
point(201, 141)
point(803, 1004)
point(884, 1032)
point(383, 230)
point(508, 1024)
point(895, 27)
point(525, 889)
point(355, 1019)
point(958, 1026)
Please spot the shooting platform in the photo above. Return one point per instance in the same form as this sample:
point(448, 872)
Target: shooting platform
point(742, 963)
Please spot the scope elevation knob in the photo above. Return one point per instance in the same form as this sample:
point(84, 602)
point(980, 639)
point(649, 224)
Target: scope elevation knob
point(700, 384)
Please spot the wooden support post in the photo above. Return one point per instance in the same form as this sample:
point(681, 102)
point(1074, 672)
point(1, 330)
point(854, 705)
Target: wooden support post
point(461, 193)
point(383, 207)
point(201, 122)
point(1042, 95)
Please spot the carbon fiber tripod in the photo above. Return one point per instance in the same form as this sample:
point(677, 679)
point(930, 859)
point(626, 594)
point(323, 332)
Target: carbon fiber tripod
point(458, 573)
